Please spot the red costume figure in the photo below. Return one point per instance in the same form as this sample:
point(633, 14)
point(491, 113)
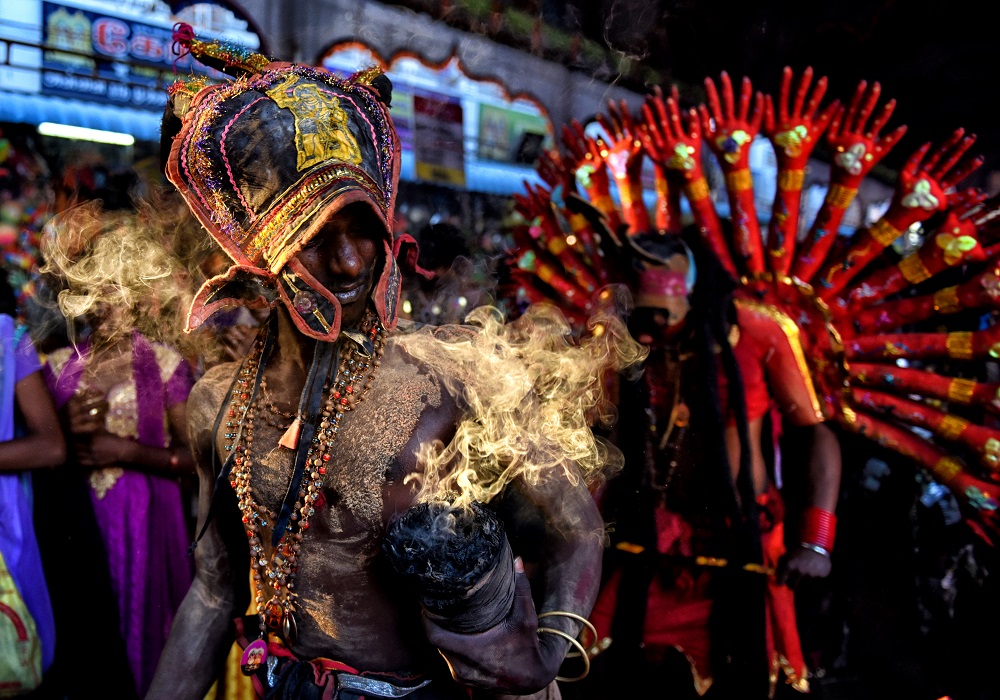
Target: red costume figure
point(696, 517)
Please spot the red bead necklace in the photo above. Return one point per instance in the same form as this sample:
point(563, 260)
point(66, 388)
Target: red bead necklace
point(274, 571)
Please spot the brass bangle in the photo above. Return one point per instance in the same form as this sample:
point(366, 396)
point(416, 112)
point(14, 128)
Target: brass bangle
point(697, 190)
point(583, 653)
point(961, 390)
point(884, 232)
point(913, 269)
point(841, 197)
point(946, 469)
point(579, 618)
point(952, 427)
point(946, 300)
point(959, 345)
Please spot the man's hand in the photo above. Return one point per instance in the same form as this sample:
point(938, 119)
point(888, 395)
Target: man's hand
point(510, 657)
point(800, 563)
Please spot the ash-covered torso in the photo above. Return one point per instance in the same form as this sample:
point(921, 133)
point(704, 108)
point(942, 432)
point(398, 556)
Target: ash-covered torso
point(350, 607)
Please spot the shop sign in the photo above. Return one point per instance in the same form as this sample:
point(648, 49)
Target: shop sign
point(510, 136)
point(438, 149)
point(101, 58)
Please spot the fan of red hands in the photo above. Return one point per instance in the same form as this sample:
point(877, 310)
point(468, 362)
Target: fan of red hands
point(794, 123)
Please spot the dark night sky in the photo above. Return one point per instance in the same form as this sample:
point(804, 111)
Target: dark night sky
point(941, 66)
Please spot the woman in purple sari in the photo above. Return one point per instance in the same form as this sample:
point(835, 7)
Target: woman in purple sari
point(125, 404)
point(122, 391)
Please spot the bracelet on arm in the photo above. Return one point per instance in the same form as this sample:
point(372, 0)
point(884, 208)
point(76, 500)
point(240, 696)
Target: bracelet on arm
point(818, 530)
point(581, 652)
point(579, 618)
point(816, 548)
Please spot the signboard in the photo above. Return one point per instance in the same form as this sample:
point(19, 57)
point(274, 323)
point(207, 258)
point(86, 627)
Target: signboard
point(101, 58)
point(402, 118)
point(510, 136)
point(438, 149)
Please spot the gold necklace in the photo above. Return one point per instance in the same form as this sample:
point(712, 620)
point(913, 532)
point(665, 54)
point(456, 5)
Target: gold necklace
point(274, 572)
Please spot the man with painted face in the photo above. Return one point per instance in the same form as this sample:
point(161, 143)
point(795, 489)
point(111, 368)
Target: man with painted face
point(697, 534)
point(696, 597)
point(307, 446)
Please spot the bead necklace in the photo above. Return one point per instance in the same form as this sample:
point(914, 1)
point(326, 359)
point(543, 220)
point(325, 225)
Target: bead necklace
point(274, 573)
point(276, 418)
point(663, 448)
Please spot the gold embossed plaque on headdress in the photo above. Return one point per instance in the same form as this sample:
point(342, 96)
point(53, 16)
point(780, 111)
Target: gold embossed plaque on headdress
point(265, 160)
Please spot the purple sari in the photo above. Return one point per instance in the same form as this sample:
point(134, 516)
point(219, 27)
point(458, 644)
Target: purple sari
point(141, 516)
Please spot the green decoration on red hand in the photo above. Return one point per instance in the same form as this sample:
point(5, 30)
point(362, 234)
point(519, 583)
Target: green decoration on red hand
point(795, 132)
point(728, 131)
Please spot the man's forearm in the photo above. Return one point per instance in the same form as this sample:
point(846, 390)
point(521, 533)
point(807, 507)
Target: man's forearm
point(197, 647)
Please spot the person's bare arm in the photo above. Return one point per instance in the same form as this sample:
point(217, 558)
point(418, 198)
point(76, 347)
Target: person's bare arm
point(822, 490)
point(513, 657)
point(100, 448)
point(43, 445)
point(201, 633)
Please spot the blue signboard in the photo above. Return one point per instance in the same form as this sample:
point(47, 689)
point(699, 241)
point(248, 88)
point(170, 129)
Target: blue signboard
point(102, 58)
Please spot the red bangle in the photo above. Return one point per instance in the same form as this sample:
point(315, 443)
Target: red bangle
point(818, 527)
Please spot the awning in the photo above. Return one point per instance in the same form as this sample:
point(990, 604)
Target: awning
point(21, 108)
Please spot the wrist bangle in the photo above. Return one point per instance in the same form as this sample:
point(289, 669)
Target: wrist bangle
point(818, 527)
point(587, 625)
point(823, 551)
point(582, 653)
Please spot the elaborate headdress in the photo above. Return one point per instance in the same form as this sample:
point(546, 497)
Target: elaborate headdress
point(866, 321)
point(265, 160)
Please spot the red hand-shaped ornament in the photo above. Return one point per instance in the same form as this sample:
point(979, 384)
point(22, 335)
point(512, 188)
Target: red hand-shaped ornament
point(676, 147)
point(729, 132)
point(857, 147)
point(794, 132)
point(624, 161)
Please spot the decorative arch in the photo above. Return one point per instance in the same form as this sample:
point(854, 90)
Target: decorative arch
point(177, 6)
point(452, 59)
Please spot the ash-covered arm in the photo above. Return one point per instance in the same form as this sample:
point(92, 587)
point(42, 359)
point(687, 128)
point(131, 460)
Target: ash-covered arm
point(513, 656)
point(201, 634)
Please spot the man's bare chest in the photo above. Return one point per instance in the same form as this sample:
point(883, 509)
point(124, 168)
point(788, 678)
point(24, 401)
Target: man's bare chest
point(360, 469)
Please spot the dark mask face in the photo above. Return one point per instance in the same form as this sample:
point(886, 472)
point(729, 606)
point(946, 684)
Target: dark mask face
point(267, 163)
point(344, 258)
point(664, 281)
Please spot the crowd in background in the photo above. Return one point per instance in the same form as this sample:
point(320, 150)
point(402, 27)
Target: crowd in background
point(94, 461)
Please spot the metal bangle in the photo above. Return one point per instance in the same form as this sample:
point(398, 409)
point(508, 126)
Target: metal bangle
point(823, 551)
point(583, 653)
point(579, 618)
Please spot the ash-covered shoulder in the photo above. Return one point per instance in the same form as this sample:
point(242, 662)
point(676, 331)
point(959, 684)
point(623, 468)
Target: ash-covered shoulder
point(207, 395)
point(452, 353)
point(447, 333)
